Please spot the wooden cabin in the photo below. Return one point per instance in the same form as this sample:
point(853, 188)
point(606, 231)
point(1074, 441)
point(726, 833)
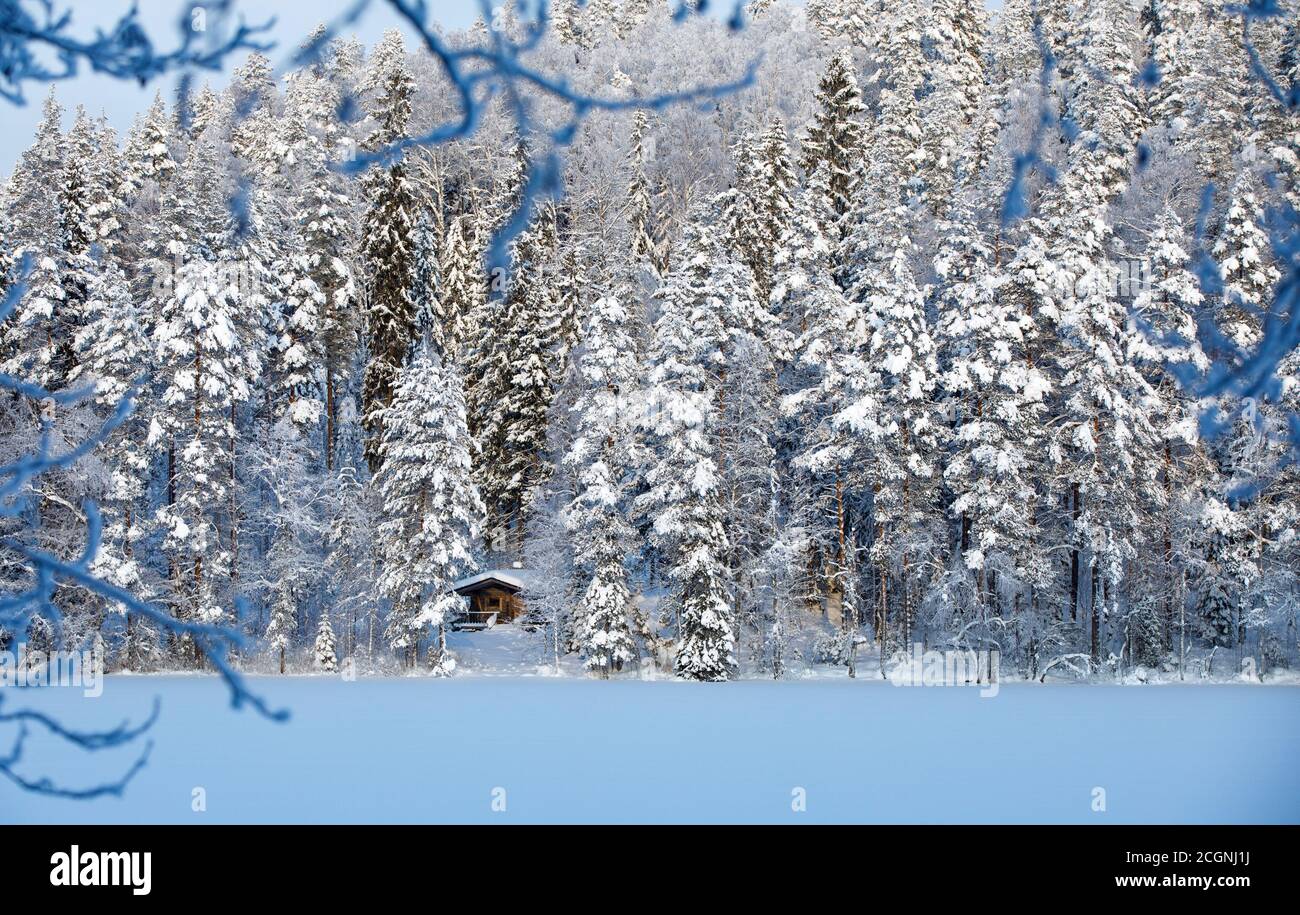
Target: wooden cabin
point(494, 596)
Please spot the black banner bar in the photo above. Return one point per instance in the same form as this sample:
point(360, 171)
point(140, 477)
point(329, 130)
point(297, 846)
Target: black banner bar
point(340, 864)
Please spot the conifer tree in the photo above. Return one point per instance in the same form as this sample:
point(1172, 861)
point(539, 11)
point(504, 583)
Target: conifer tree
point(326, 660)
point(640, 213)
point(514, 395)
point(205, 364)
point(683, 483)
point(955, 31)
point(324, 217)
point(834, 140)
point(34, 340)
point(387, 244)
point(598, 459)
point(432, 514)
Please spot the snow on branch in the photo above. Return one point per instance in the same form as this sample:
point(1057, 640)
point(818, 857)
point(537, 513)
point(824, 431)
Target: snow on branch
point(90, 741)
point(31, 30)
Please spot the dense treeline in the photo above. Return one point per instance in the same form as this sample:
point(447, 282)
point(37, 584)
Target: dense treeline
point(893, 346)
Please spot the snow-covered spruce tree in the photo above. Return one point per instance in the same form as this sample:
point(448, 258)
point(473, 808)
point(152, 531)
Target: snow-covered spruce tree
point(205, 364)
point(834, 140)
point(747, 442)
point(76, 191)
point(899, 155)
point(35, 339)
point(431, 510)
point(1103, 441)
point(284, 623)
point(429, 317)
point(893, 373)
point(892, 409)
point(516, 388)
point(92, 187)
point(597, 458)
point(301, 349)
point(254, 130)
point(460, 282)
point(566, 20)
point(955, 32)
point(640, 202)
point(998, 396)
point(565, 326)
point(854, 20)
point(326, 660)
point(1172, 356)
point(148, 149)
point(114, 354)
point(827, 329)
point(352, 561)
point(289, 517)
point(150, 169)
point(683, 480)
point(758, 209)
point(325, 218)
point(1242, 252)
point(387, 235)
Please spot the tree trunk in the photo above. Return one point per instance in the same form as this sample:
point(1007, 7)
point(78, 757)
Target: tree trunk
point(1074, 556)
point(1095, 634)
point(330, 417)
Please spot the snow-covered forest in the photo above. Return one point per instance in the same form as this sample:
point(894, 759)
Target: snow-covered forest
point(898, 345)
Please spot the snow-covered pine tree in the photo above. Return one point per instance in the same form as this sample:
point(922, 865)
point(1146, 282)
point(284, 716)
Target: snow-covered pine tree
point(326, 660)
point(387, 235)
point(35, 338)
point(683, 481)
point(834, 140)
point(955, 33)
point(640, 203)
point(113, 354)
point(205, 365)
point(598, 461)
point(431, 510)
point(460, 282)
point(517, 386)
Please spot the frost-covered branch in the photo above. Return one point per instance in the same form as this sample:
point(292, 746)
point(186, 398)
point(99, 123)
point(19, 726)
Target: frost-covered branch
point(33, 29)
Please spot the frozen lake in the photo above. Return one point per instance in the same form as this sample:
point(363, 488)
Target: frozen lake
point(573, 750)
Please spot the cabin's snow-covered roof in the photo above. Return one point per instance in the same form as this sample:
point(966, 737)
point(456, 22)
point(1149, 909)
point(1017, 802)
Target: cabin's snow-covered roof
point(515, 578)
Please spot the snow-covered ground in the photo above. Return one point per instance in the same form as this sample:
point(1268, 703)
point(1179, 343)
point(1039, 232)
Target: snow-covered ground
point(566, 749)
